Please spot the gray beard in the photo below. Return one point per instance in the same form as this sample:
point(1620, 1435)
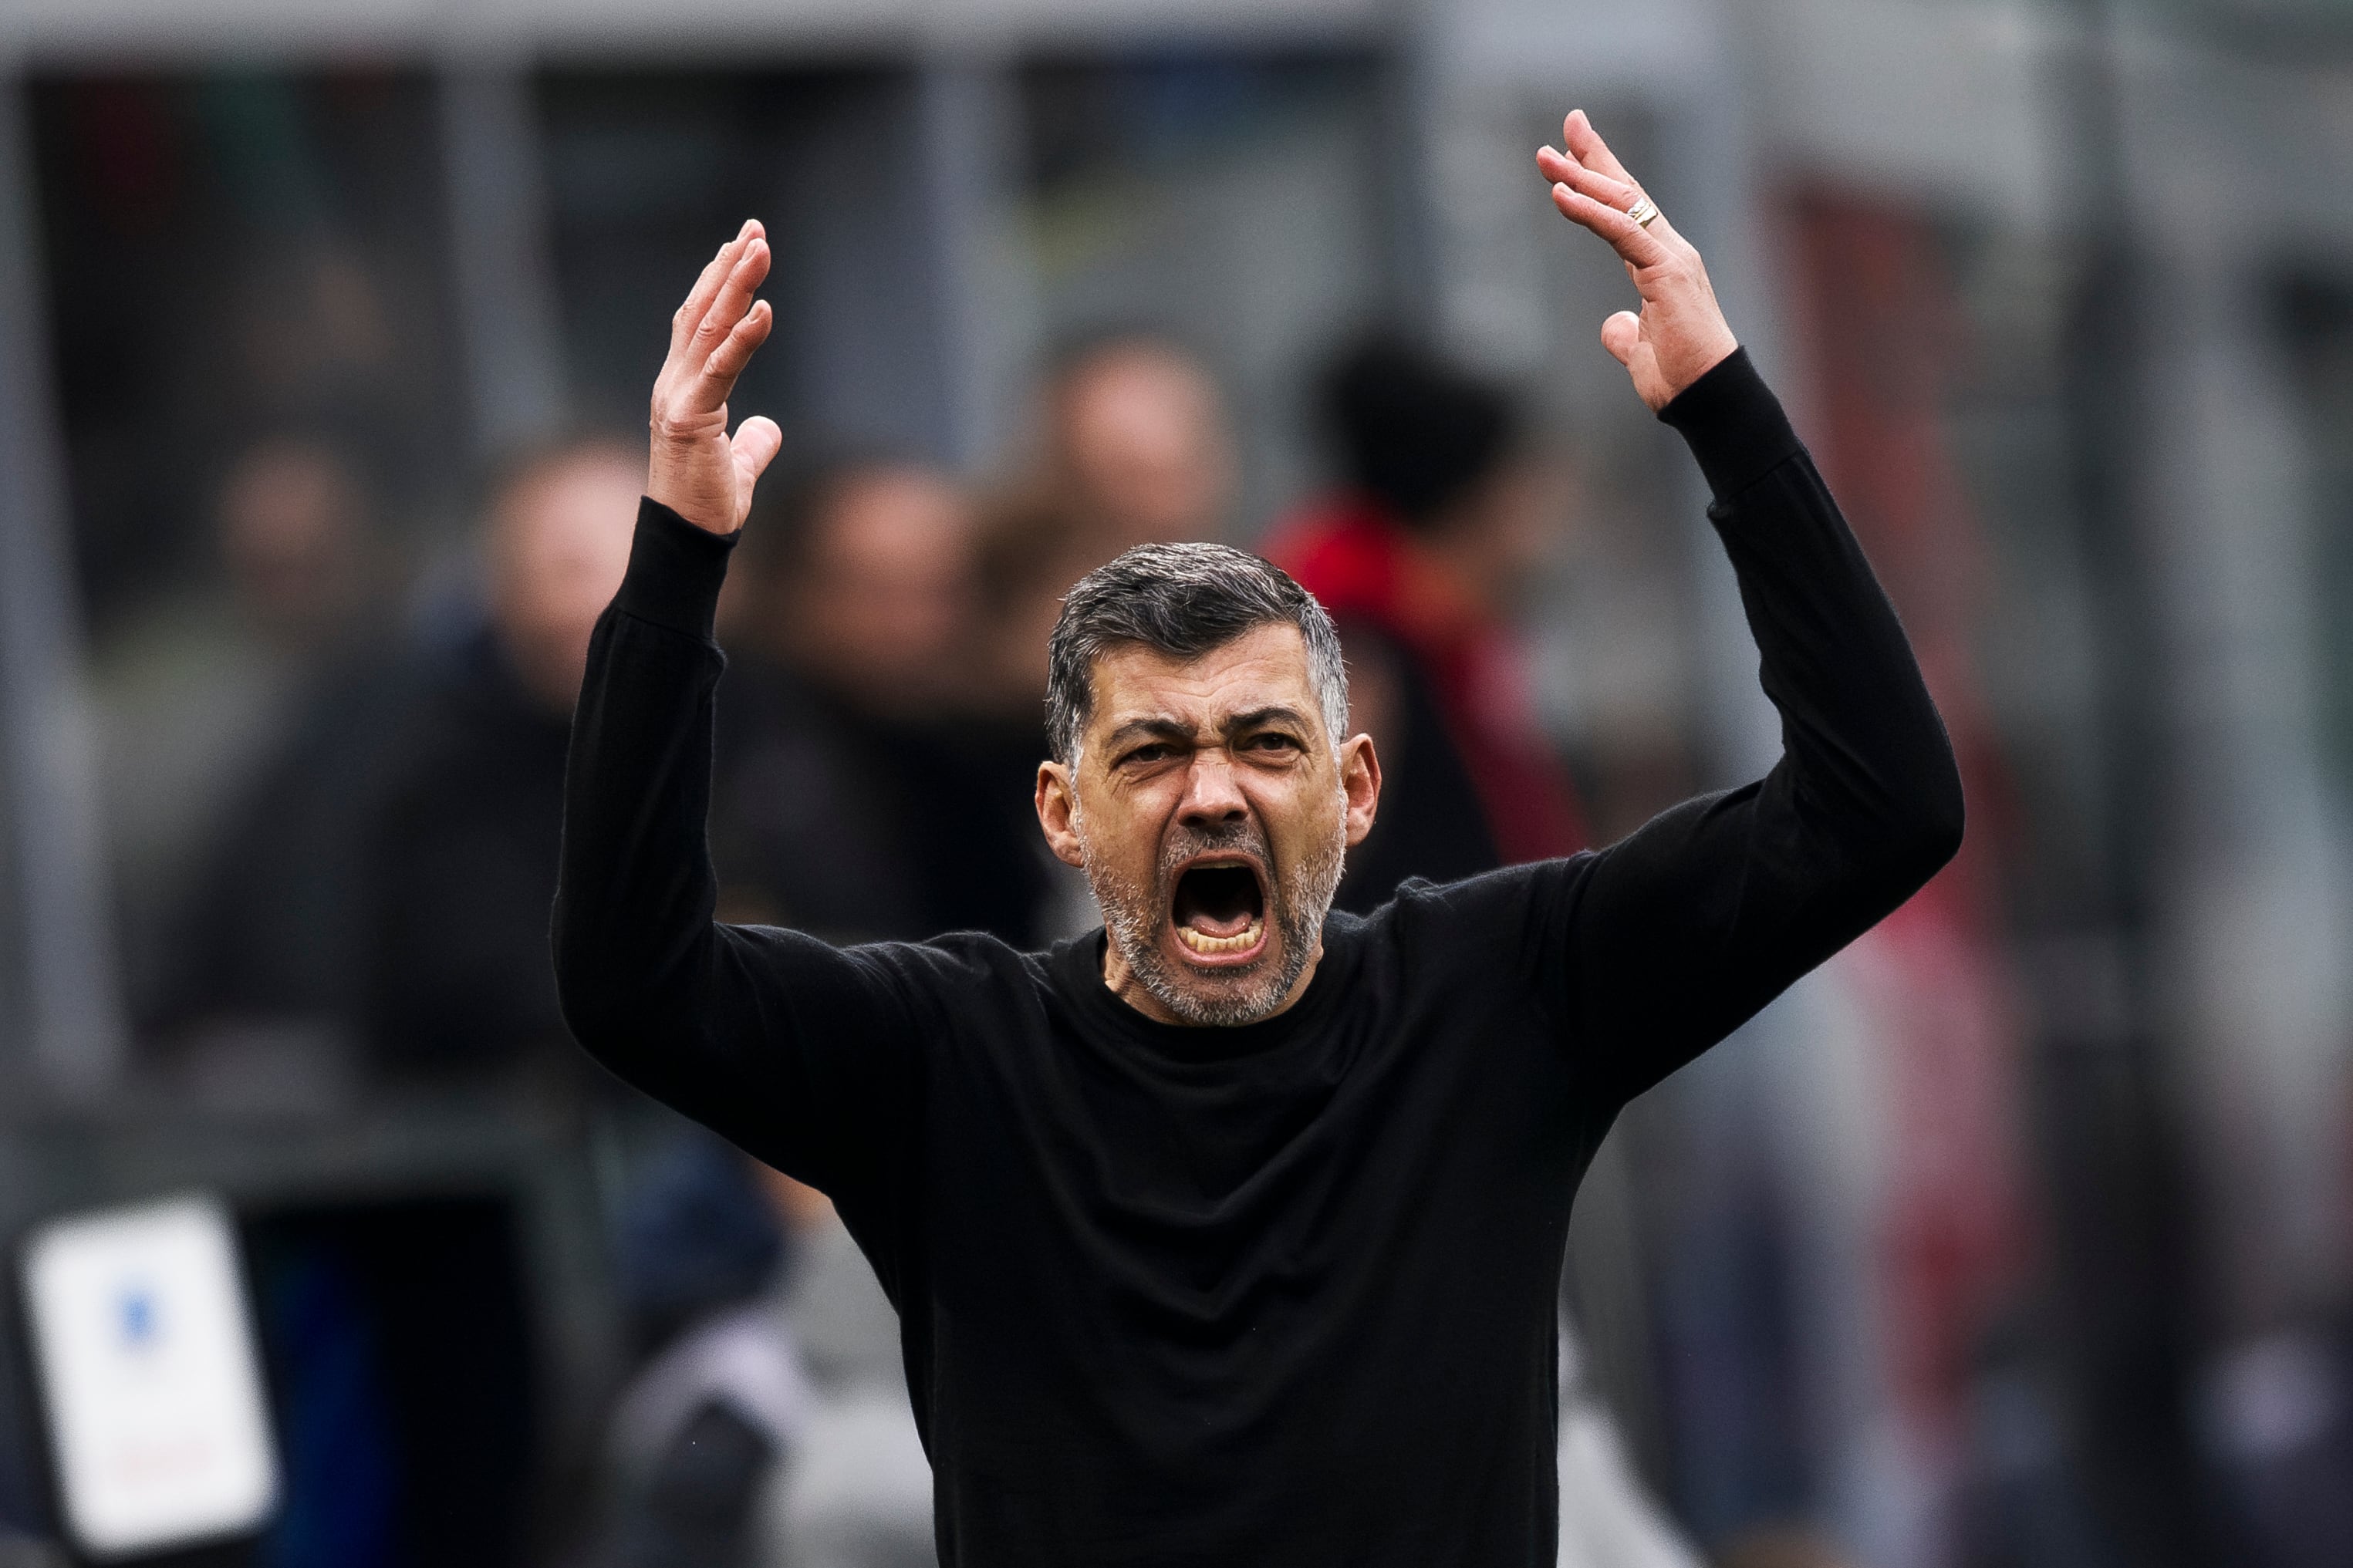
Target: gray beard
point(1297, 903)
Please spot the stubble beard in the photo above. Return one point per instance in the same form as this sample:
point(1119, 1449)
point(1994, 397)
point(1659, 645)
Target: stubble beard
point(1300, 896)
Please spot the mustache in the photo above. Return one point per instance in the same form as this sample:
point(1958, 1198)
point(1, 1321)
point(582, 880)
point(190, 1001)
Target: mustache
point(1243, 837)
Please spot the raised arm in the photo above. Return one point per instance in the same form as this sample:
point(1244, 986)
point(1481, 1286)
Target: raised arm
point(797, 1051)
point(1678, 933)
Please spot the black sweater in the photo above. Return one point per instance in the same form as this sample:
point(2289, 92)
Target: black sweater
point(1279, 1294)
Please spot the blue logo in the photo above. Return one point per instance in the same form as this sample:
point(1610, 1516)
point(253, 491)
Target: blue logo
point(136, 1317)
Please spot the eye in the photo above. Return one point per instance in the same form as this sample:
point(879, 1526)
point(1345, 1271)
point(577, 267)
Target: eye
point(1273, 741)
point(1152, 752)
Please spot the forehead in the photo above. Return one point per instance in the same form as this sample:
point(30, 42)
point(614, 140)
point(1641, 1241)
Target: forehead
point(1266, 666)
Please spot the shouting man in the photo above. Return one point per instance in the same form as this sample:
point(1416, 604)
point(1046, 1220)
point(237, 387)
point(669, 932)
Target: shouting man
point(1230, 1233)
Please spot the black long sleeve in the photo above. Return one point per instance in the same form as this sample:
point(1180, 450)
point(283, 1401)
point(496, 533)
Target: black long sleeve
point(1684, 930)
point(1283, 1292)
point(791, 1048)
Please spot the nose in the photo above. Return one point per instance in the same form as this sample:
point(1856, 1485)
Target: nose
point(1211, 796)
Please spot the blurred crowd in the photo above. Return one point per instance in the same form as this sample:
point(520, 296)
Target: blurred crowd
point(2015, 1238)
point(337, 793)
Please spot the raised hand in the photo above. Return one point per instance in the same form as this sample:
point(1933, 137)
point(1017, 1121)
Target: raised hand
point(1680, 333)
point(696, 470)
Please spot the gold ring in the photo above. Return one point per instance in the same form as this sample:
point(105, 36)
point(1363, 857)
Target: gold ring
point(1642, 211)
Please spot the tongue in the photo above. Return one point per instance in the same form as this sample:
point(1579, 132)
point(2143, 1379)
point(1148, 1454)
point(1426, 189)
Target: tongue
point(1219, 925)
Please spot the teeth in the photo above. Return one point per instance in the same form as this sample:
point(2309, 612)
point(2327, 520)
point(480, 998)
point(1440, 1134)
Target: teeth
point(1208, 945)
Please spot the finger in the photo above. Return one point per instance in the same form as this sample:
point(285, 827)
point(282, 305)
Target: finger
point(1585, 144)
point(697, 299)
point(706, 286)
point(1621, 334)
point(1606, 189)
point(734, 293)
point(757, 441)
point(1608, 192)
point(728, 360)
point(1566, 171)
point(1633, 243)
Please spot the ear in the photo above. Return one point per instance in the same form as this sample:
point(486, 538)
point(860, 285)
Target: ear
point(1360, 782)
point(1057, 813)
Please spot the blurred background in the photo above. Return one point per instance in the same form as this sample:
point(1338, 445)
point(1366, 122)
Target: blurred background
point(2018, 1235)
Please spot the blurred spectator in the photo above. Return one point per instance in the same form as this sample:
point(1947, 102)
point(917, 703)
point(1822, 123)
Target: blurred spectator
point(2279, 1417)
point(1441, 518)
point(1135, 449)
point(207, 685)
point(294, 536)
point(1607, 1520)
point(460, 851)
point(856, 1490)
point(771, 1424)
point(848, 623)
point(700, 1428)
point(230, 759)
point(2020, 1502)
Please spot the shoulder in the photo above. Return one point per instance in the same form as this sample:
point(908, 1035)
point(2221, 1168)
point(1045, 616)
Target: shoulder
point(1497, 929)
point(958, 972)
point(1480, 903)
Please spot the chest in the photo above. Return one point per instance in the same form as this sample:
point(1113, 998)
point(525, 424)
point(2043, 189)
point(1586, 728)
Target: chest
point(1086, 1181)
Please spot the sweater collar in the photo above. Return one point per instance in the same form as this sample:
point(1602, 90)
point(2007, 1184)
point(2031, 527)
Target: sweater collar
point(1077, 965)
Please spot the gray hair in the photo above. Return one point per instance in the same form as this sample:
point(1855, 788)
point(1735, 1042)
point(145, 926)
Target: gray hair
point(1181, 600)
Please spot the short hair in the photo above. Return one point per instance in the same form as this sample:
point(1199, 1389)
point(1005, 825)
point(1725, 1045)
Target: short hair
point(1412, 430)
point(1181, 600)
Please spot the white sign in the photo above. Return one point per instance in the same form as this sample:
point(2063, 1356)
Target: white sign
point(146, 1360)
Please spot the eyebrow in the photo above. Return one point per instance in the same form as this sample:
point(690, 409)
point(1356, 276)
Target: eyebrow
point(1259, 717)
point(1161, 727)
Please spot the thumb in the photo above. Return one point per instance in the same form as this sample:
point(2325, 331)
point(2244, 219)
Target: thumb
point(1621, 334)
point(757, 441)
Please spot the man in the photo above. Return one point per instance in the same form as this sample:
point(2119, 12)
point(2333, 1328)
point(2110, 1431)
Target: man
point(460, 847)
point(258, 745)
point(849, 637)
point(1231, 1233)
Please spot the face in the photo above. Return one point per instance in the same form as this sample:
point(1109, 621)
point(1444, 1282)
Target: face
point(1143, 442)
point(1500, 535)
point(290, 532)
point(559, 547)
point(885, 598)
point(1210, 811)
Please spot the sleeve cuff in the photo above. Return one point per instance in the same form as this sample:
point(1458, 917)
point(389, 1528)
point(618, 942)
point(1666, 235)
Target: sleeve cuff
point(1734, 425)
point(675, 571)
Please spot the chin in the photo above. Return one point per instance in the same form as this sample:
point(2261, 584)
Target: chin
point(1240, 986)
point(1225, 1006)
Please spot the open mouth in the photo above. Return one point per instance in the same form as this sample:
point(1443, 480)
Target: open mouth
point(1219, 910)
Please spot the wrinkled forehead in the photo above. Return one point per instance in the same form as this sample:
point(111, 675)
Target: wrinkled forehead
point(1264, 668)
